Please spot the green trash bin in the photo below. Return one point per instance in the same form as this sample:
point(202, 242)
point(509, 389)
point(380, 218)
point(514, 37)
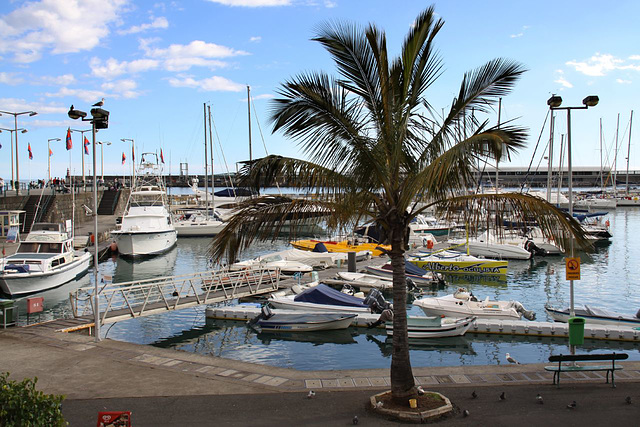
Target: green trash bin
point(576, 330)
point(8, 313)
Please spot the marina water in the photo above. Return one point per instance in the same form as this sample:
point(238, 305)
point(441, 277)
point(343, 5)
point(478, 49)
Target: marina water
point(608, 280)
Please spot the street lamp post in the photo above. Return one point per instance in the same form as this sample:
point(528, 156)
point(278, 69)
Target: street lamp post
point(102, 158)
point(82, 132)
point(49, 156)
point(15, 128)
point(133, 166)
point(12, 131)
point(99, 120)
point(554, 104)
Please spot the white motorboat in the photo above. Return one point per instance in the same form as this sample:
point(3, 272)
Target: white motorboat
point(44, 260)
point(322, 298)
point(596, 203)
point(147, 227)
point(489, 245)
point(197, 225)
point(463, 304)
point(418, 275)
point(429, 226)
point(595, 316)
point(314, 259)
point(434, 326)
point(447, 261)
point(296, 321)
point(364, 282)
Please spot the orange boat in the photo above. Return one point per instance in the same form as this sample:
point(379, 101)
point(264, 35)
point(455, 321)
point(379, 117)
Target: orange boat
point(342, 246)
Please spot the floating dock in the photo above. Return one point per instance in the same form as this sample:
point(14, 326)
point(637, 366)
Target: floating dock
point(244, 312)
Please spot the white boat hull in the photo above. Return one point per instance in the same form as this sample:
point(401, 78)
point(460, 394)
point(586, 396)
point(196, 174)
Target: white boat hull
point(563, 317)
point(141, 244)
point(280, 324)
point(457, 328)
point(450, 306)
point(15, 284)
point(492, 250)
point(198, 229)
point(288, 303)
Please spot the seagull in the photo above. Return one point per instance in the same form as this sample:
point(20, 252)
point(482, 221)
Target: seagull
point(474, 394)
point(503, 396)
point(99, 103)
point(539, 399)
point(572, 405)
point(379, 405)
point(355, 420)
point(511, 359)
point(420, 390)
point(311, 394)
point(465, 413)
point(628, 400)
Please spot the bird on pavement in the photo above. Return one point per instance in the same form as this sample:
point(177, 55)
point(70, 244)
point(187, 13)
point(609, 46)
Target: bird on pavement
point(355, 420)
point(511, 359)
point(311, 394)
point(628, 400)
point(503, 396)
point(539, 399)
point(572, 405)
point(420, 390)
point(99, 103)
point(465, 413)
point(474, 394)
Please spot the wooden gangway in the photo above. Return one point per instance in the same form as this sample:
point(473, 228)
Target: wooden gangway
point(120, 301)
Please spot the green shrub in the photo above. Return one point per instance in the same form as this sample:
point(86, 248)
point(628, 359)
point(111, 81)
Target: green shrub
point(22, 405)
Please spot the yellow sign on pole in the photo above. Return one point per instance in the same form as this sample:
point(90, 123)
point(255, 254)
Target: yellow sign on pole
point(573, 268)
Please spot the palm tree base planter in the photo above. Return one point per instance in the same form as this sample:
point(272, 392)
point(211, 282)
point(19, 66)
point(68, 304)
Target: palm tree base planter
point(430, 405)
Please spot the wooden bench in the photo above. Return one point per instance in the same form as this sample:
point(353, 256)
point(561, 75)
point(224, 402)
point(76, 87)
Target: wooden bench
point(585, 358)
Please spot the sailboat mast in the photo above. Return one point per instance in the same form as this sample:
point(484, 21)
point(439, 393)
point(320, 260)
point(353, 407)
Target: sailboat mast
point(249, 116)
point(497, 159)
point(629, 152)
point(206, 171)
point(601, 170)
point(615, 160)
point(550, 163)
point(213, 184)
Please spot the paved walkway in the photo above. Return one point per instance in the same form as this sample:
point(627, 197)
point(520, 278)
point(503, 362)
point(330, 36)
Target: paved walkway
point(89, 372)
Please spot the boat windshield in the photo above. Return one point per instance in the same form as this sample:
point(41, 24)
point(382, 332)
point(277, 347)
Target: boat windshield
point(43, 248)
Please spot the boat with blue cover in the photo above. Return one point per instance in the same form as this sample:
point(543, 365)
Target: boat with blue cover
point(326, 299)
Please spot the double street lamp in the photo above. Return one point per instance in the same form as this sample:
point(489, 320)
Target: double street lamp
point(554, 104)
point(99, 120)
point(15, 129)
point(12, 131)
point(49, 156)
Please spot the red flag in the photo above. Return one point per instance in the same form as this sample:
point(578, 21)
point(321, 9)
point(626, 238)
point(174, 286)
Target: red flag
point(161, 156)
point(50, 152)
point(123, 157)
point(69, 143)
point(86, 145)
point(30, 153)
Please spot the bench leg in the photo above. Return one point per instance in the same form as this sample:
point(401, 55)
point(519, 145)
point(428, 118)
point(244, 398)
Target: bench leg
point(608, 377)
point(613, 380)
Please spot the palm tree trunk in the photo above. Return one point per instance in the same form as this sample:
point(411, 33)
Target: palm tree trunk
point(402, 382)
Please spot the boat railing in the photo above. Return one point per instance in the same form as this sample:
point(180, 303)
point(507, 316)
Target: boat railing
point(144, 297)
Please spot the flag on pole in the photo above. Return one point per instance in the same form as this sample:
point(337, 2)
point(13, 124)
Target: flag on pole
point(133, 154)
point(69, 143)
point(123, 157)
point(161, 156)
point(86, 145)
point(50, 152)
point(30, 153)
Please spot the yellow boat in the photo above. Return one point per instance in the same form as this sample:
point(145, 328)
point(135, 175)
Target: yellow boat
point(456, 262)
point(342, 246)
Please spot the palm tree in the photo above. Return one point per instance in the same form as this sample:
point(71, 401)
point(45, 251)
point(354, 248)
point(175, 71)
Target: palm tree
point(376, 151)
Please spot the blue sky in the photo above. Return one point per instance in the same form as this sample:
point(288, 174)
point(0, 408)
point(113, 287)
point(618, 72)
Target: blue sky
point(156, 63)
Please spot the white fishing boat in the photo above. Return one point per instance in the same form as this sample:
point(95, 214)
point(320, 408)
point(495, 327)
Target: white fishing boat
point(463, 304)
point(434, 326)
point(44, 260)
point(322, 298)
point(197, 224)
point(362, 281)
point(297, 321)
point(595, 316)
point(423, 225)
point(320, 260)
point(147, 227)
point(418, 275)
point(488, 244)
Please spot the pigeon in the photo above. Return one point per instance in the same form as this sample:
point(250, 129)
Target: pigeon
point(465, 413)
point(99, 103)
point(474, 394)
point(379, 405)
point(355, 420)
point(311, 394)
point(511, 359)
point(420, 390)
point(628, 400)
point(539, 399)
point(503, 396)
point(572, 405)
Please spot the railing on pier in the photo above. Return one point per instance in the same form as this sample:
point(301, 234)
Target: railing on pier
point(119, 301)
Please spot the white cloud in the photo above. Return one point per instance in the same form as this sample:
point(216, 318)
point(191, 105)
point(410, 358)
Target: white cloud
point(513, 36)
point(178, 57)
point(563, 82)
point(329, 4)
point(124, 88)
point(11, 79)
point(111, 68)
point(635, 57)
point(14, 104)
point(255, 39)
point(84, 94)
point(253, 3)
point(211, 84)
point(623, 82)
point(598, 65)
point(157, 23)
point(259, 97)
point(63, 80)
point(61, 26)
point(521, 33)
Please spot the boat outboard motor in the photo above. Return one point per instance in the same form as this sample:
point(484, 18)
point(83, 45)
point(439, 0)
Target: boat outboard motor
point(411, 286)
point(265, 313)
point(376, 301)
point(527, 314)
point(532, 248)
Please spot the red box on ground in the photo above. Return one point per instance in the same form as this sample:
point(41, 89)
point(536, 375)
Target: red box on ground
point(35, 305)
point(114, 419)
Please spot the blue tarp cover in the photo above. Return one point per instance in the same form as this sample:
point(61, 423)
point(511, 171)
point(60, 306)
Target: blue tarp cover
point(409, 268)
point(320, 247)
point(323, 294)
